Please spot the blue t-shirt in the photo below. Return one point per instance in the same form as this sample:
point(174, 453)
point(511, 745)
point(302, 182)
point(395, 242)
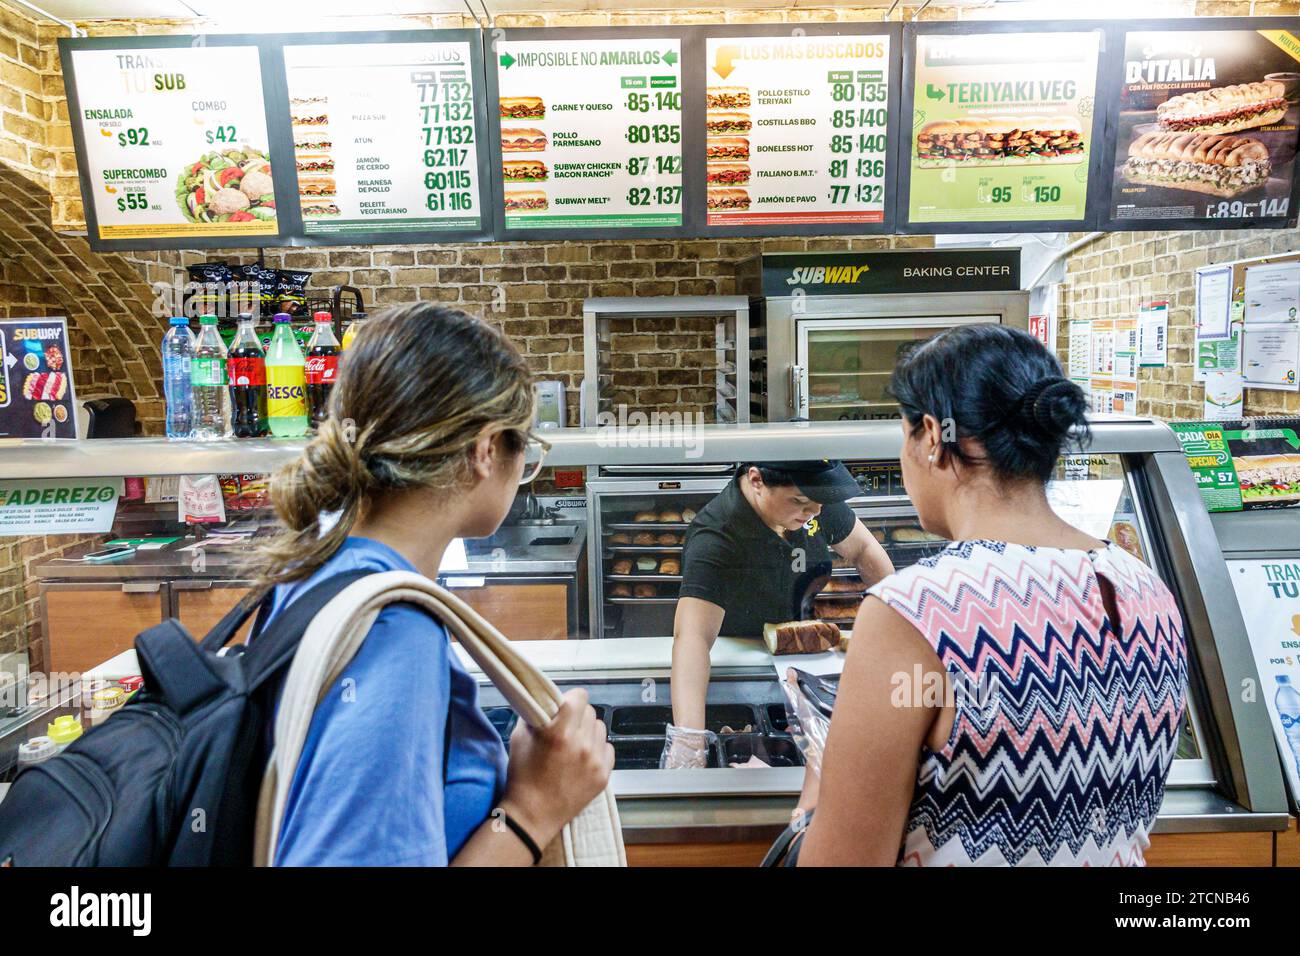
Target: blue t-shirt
point(400, 765)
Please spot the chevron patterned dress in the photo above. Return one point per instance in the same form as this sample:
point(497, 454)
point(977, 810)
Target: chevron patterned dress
point(1066, 722)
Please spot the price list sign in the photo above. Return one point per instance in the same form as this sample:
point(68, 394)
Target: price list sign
point(590, 132)
point(1002, 126)
point(796, 129)
point(385, 138)
point(172, 142)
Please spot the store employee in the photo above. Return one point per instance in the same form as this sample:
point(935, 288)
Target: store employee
point(753, 554)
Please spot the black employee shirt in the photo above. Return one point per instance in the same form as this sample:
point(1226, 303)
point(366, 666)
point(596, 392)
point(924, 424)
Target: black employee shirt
point(732, 559)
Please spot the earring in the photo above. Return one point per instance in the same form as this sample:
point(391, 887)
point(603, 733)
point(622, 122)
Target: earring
point(931, 456)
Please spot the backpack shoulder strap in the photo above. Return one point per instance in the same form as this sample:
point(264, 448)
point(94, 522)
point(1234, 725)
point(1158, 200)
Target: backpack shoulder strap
point(278, 641)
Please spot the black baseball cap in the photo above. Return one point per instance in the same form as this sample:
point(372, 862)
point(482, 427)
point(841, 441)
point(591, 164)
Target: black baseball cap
point(824, 480)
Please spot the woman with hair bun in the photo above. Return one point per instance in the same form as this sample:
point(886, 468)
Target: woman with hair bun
point(427, 440)
point(1015, 699)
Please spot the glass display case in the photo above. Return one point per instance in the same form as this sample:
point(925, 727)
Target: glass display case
point(1132, 485)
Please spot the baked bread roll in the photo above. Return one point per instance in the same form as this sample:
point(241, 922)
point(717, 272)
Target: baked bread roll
point(643, 538)
point(621, 566)
point(668, 538)
point(621, 537)
point(1198, 162)
point(670, 515)
point(688, 514)
point(801, 637)
point(844, 585)
point(645, 591)
point(646, 516)
point(913, 535)
point(620, 590)
point(670, 566)
point(1225, 109)
point(646, 565)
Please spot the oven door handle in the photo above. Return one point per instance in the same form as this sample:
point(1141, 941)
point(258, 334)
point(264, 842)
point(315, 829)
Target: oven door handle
point(799, 390)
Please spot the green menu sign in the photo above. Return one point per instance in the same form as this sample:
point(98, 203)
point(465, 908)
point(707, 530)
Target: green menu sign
point(1002, 126)
point(1206, 448)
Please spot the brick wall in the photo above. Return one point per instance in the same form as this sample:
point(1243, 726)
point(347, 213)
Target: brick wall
point(1115, 274)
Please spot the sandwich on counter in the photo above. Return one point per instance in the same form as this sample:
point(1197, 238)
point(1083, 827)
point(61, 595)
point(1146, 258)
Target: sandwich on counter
point(1199, 162)
point(1226, 109)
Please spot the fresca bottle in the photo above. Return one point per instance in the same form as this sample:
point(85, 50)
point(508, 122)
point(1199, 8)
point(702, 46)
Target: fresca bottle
point(177, 355)
point(358, 323)
point(286, 382)
point(208, 383)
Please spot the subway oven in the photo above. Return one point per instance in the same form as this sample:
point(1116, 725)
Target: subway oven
point(824, 350)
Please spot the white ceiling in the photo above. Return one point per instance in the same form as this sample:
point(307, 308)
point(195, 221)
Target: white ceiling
point(189, 9)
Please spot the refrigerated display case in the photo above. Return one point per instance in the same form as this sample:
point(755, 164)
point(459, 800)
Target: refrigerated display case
point(1225, 801)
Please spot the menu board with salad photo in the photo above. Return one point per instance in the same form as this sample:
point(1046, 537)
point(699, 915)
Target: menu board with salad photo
point(1003, 128)
point(171, 139)
point(590, 130)
point(1206, 125)
point(387, 136)
point(797, 127)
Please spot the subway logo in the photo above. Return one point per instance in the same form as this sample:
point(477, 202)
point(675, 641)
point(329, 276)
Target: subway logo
point(825, 275)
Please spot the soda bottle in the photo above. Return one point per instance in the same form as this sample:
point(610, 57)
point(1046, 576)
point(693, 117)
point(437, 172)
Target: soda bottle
point(356, 325)
point(177, 356)
point(322, 369)
point(208, 383)
point(286, 393)
point(246, 369)
point(1288, 709)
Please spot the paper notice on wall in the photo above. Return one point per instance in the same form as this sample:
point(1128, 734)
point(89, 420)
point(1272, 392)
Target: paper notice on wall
point(1080, 344)
point(1269, 595)
point(1221, 354)
point(1153, 334)
point(1224, 396)
point(1102, 350)
point(1273, 293)
point(1270, 355)
point(1126, 348)
point(49, 506)
point(1213, 302)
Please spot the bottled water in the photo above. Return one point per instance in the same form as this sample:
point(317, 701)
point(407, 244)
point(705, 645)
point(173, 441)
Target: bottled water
point(177, 354)
point(208, 381)
point(1288, 708)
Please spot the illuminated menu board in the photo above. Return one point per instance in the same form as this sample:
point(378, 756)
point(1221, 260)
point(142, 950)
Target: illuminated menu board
point(172, 142)
point(797, 128)
point(588, 130)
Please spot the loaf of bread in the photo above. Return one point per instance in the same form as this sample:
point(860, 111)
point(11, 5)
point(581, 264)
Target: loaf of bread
point(688, 514)
point(646, 565)
point(668, 538)
point(620, 591)
point(643, 538)
point(621, 566)
point(670, 515)
point(844, 585)
point(670, 566)
point(645, 591)
point(646, 516)
point(801, 637)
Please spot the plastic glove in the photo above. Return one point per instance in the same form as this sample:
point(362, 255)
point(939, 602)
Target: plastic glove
point(685, 748)
point(808, 725)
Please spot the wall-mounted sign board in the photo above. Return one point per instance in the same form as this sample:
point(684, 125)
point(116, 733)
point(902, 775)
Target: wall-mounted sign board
point(1203, 129)
point(798, 126)
point(1004, 133)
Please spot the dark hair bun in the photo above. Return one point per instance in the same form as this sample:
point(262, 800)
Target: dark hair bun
point(999, 386)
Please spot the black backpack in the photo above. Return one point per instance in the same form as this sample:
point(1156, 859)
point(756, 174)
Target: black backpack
point(172, 778)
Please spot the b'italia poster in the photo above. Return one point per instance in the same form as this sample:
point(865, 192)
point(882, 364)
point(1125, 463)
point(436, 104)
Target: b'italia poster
point(1206, 126)
point(174, 142)
point(1002, 126)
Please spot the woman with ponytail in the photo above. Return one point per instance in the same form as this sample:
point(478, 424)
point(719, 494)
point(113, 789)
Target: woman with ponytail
point(427, 440)
point(1015, 699)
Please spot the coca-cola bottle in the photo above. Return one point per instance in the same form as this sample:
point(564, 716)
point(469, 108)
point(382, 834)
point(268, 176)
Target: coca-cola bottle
point(322, 367)
point(246, 370)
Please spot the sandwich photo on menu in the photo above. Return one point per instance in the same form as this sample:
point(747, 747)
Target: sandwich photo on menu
point(726, 148)
point(1226, 109)
point(522, 140)
point(1002, 141)
point(311, 141)
point(318, 209)
point(310, 115)
point(1199, 162)
point(727, 98)
point(722, 199)
point(722, 123)
point(522, 107)
point(525, 200)
point(1269, 479)
point(727, 174)
point(316, 186)
point(314, 162)
point(524, 171)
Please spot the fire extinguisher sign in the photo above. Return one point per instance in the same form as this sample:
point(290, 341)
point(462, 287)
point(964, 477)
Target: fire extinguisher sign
point(1038, 329)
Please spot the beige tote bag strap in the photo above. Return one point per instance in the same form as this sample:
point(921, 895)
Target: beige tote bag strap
point(593, 838)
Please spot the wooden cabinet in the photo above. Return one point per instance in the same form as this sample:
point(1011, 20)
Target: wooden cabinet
point(522, 612)
point(86, 624)
point(199, 605)
point(1253, 848)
